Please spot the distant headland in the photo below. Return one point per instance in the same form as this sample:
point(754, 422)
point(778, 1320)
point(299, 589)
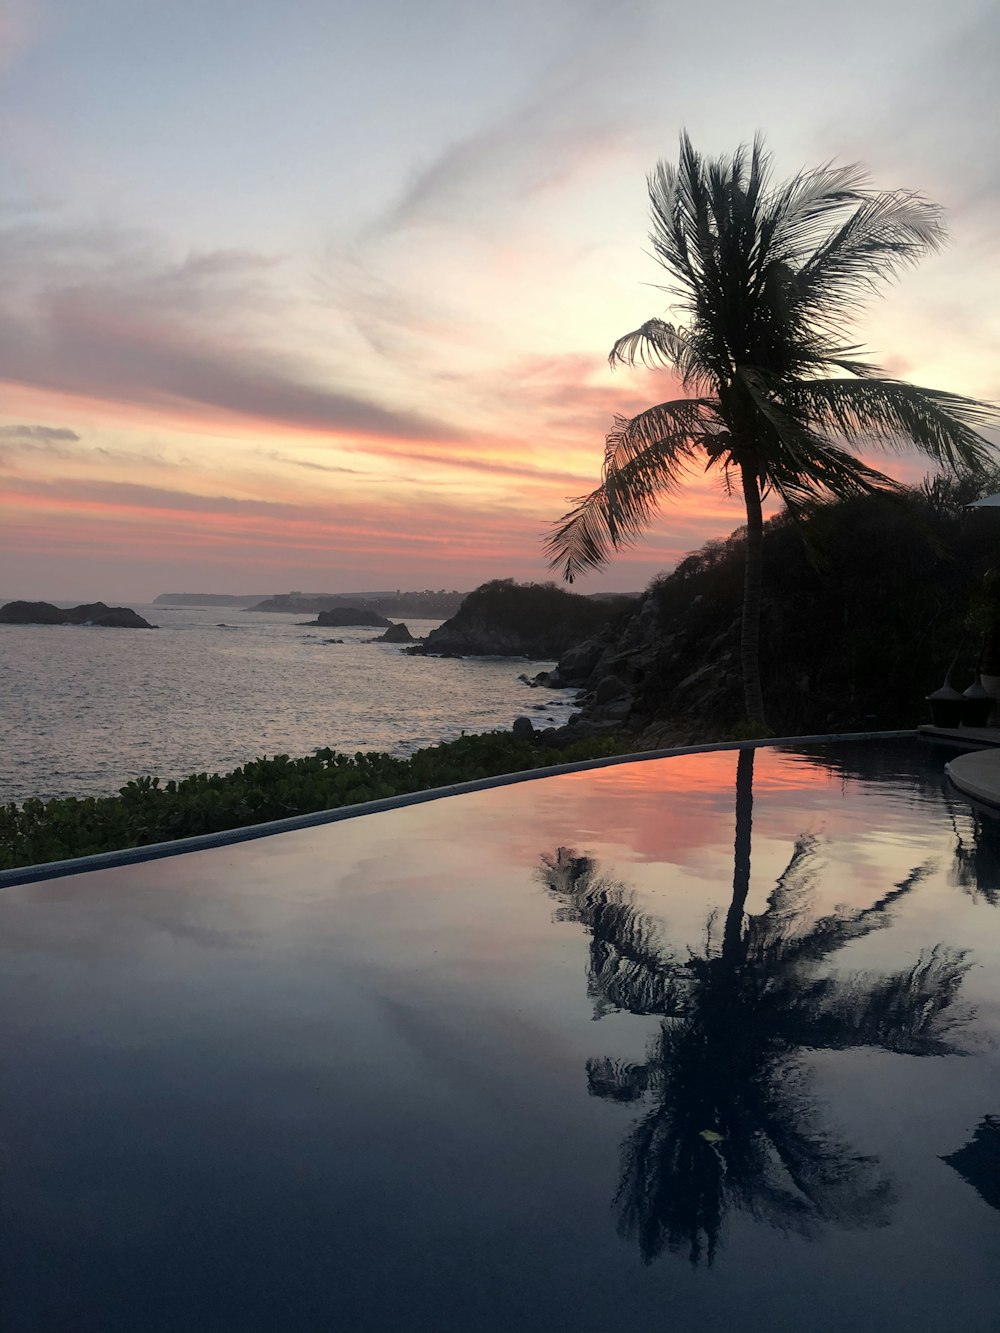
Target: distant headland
point(427, 604)
point(207, 599)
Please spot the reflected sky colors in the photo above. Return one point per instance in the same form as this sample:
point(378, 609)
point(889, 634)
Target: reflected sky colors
point(312, 300)
point(717, 1031)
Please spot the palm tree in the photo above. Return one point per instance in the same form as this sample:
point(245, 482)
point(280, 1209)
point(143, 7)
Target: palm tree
point(767, 277)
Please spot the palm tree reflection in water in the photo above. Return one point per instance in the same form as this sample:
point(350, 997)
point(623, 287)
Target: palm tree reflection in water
point(976, 867)
point(731, 1122)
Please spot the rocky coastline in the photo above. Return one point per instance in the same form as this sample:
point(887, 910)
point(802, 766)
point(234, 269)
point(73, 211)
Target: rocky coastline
point(619, 674)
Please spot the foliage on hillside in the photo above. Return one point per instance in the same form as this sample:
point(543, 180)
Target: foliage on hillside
point(531, 607)
point(860, 622)
point(148, 811)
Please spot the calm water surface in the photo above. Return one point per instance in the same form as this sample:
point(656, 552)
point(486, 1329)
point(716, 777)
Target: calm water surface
point(83, 710)
point(694, 1044)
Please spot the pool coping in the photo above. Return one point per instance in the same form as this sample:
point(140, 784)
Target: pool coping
point(977, 775)
point(155, 851)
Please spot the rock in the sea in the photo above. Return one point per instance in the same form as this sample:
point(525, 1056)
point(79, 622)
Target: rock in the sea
point(30, 613)
point(350, 615)
point(396, 634)
point(91, 613)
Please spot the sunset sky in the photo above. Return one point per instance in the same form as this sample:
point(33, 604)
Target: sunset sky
point(319, 295)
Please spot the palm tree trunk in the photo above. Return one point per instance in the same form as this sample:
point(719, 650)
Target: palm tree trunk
point(750, 632)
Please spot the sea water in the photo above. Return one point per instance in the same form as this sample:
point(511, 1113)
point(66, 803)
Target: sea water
point(84, 710)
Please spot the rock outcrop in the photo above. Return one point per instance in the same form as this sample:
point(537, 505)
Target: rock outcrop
point(341, 616)
point(651, 681)
point(396, 634)
point(523, 729)
point(508, 619)
point(91, 613)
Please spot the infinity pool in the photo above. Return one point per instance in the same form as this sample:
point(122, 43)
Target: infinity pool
point(707, 1042)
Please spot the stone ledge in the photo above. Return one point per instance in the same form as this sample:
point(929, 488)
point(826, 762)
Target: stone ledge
point(977, 774)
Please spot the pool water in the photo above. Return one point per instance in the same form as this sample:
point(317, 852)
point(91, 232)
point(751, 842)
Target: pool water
point(696, 1043)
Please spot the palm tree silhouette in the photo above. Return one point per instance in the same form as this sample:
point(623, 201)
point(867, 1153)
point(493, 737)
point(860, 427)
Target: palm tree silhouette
point(731, 1123)
point(769, 277)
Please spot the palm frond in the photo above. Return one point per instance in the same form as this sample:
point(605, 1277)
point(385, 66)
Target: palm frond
point(893, 414)
point(824, 354)
point(884, 233)
point(800, 212)
point(863, 370)
point(783, 438)
point(630, 967)
point(682, 232)
point(828, 472)
point(617, 1080)
point(657, 343)
point(645, 458)
point(692, 419)
point(913, 1011)
point(830, 933)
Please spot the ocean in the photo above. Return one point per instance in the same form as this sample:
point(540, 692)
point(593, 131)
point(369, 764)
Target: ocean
point(84, 710)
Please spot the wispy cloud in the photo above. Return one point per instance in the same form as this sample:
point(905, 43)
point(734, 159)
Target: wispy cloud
point(22, 23)
point(569, 118)
point(100, 315)
point(134, 496)
point(43, 434)
point(318, 467)
point(537, 146)
point(935, 119)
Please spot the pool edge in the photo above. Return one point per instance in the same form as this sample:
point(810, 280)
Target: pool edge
point(207, 841)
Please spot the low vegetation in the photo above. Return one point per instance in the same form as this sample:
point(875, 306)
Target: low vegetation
point(147, 811)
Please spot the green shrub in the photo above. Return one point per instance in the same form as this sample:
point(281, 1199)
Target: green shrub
point(147, 811)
